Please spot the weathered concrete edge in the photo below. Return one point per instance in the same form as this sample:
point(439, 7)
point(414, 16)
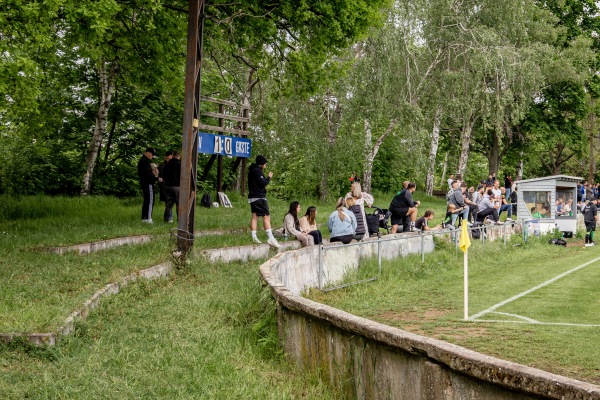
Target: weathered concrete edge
point(86, 248)
point(463, 361)
point(51, 338)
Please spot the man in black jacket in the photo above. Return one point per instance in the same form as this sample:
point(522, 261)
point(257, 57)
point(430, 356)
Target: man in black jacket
point(171, 175)
point(403, 207)
point(257, 197)
point(147, 179)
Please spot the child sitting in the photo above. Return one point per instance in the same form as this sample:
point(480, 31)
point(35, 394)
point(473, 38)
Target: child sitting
point(447, 222)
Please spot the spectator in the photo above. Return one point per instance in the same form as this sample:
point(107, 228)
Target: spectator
point(404, 207)
point(147, 178)
point(508, 182)
point(504, 204)
point(488, 208)
point(361, 221)
point(450, 180)
point(361, 199)
point(513, 200)
point(590, 218)
point(171, 175)
point(422, 223)
point(458, 200)
point(161, 167)
point(447, 222)
point(291, 225)
point(308, 224)
point(490, 180)
point(341, 224)
point(257, 197)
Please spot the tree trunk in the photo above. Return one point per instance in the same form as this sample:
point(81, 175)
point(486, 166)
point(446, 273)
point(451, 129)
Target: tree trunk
point(465, 140)
point(368, 170)
point(520, 168)
point(107, 86)
point(494, 155)
point(370, 157)
point(435, 139)
point(333, 124)
point(592, 138)
point(444, 170)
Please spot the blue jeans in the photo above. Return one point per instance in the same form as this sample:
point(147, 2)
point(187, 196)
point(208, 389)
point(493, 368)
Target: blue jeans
point(507, 208)
point(464, 213)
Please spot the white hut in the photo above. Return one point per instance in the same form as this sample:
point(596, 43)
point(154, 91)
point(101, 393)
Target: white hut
point(552, 200)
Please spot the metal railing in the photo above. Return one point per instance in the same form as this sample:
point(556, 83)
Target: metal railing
point(350, 254)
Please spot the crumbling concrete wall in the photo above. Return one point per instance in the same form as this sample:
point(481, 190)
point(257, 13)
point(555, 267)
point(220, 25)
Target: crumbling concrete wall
point(368, 360)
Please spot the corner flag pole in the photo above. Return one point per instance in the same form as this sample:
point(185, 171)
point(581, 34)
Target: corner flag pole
point(465, 242)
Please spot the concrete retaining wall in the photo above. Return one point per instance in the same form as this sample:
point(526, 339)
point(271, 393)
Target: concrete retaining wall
point(368, 360)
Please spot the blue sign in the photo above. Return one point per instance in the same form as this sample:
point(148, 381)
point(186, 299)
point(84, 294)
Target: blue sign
point(224, 145)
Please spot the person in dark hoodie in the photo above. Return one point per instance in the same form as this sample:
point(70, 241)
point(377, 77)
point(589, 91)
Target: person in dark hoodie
point(171, 176)
point(147, 179)
point(257, 197)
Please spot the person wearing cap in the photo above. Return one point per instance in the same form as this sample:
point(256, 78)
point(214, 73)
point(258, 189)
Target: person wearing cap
point(257, 198)
point(147, 179)
point(590, 218)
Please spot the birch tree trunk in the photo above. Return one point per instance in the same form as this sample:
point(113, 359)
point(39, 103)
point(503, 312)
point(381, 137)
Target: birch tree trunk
point(107, 87)
point(368, 173)
point(435, 139)
point(465, 140)
point(592, 139)
point(333, 124)
point(368, 169)
point(444, 170)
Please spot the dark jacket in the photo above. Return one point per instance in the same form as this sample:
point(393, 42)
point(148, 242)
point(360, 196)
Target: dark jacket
point(172, 172)
point(257, 182)
point(145, 174)
point(360, 223)
point(403, 200)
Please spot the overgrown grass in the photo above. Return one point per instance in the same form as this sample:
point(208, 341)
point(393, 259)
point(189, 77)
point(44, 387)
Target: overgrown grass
point(207, 333)
point(427, 298)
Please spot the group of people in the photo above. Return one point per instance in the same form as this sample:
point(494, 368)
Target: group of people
point(167, 174)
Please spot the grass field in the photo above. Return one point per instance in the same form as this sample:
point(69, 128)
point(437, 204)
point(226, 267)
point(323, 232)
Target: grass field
point(554, 328)
point(209, 331)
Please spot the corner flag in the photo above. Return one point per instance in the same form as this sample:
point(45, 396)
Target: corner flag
point(465, 240)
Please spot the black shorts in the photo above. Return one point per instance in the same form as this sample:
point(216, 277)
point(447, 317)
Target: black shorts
point(260, 207)
point(590, 225)
point(398, 214)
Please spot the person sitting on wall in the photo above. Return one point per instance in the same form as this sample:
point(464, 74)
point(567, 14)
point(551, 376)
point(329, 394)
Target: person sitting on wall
point(308, 224)
point(361, 224)
point(291, 225)
point(487, 208)
point(341, 224)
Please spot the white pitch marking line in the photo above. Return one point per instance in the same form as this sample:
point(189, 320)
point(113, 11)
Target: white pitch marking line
point(532, 321)
point(533, 289)
point(538, 323)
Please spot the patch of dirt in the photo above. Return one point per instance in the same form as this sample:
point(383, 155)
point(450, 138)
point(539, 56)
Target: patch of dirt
point(576, 243)
point(420, 323)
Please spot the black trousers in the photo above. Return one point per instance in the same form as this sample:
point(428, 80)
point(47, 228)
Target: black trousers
point(316, 234)
point(488, 211)
point(344, 239)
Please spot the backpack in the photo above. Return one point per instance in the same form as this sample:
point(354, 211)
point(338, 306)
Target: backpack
point(206, 201)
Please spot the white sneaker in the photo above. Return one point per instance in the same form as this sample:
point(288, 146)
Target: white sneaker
point(255, 240)
point(147, 221)
point(273, 242)
point(588, 244)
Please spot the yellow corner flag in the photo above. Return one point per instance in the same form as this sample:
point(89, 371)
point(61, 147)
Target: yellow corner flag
point(465, 240)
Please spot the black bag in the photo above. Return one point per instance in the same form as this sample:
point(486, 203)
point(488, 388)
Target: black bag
point(373, 223)
point(206, 201)
point(476, 230)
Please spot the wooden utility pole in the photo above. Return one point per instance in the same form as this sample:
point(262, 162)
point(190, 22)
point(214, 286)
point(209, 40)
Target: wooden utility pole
point(191, 112)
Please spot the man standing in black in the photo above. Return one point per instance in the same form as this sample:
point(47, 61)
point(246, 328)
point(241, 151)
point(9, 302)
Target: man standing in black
point(257, 197)
point(171, 175)
point(590, 217)
point(147, 179)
